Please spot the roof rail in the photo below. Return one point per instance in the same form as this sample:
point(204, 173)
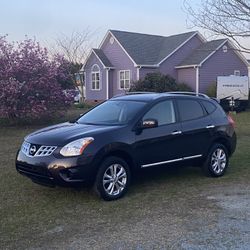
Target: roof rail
point(134, 93)
point(187, 93)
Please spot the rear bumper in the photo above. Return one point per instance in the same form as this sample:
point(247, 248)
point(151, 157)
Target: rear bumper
point(52, 171)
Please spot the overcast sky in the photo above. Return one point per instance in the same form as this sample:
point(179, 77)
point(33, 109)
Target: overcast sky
point(46, 19)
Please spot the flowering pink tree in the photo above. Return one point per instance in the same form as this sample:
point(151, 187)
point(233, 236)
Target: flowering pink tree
point(29, 81)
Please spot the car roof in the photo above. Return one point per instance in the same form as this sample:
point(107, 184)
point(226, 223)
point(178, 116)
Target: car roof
point(150, 96)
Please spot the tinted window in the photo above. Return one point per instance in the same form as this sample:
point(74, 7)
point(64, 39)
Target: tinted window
point(209, 107)
point(112, 113)
point(163, 112)
point(189, 109)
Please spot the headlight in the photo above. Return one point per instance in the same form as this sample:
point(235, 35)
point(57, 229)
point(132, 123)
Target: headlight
point(76, 147)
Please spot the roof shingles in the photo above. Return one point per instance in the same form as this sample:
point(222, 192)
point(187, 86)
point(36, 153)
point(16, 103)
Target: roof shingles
point(202, 52)
point(147, 49)
point(100, 54)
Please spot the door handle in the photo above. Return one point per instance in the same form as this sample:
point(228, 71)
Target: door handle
point(210, 126)
point(176, 132)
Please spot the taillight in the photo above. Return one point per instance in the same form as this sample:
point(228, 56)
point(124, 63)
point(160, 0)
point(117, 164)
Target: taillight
point(231, 120)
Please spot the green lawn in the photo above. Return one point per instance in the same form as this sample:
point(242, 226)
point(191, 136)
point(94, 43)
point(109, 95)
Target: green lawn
point(34, 216)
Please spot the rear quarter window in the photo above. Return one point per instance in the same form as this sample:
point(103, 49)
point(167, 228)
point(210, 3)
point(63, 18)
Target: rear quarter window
point(209, 107)
point(189, 109)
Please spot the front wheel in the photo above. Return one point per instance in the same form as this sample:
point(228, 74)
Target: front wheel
point(112, 179)
point(217, 161)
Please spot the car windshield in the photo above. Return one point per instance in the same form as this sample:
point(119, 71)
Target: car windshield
point(112, 113)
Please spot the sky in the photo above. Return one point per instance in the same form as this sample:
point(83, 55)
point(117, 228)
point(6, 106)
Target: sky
point(47, 20)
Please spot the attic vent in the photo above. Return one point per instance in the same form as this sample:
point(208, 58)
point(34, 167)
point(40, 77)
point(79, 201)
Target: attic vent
point(111, 40)
point(224, 48)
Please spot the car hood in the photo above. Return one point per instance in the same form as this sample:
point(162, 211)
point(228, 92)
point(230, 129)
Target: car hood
point(61, 134)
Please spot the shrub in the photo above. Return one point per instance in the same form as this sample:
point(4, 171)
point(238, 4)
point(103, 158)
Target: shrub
point(184, 87)
point(212, 90)
point(157, 82)
point(28, 82)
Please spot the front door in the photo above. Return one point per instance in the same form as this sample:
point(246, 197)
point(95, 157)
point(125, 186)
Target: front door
point(162, 144)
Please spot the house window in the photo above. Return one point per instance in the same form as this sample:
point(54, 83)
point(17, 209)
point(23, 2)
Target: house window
point(124, 79)
point(237, 72)
point(95, 77)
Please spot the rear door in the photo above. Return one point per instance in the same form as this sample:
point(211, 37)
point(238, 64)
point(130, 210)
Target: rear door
point(197, 127)
point(163, 143)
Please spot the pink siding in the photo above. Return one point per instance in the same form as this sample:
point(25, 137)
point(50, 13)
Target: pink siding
point(95, 94)
point(120, 60)
point(220, 64)
point(187, 76)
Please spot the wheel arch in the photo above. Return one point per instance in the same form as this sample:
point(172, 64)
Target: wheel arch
point(225, 142)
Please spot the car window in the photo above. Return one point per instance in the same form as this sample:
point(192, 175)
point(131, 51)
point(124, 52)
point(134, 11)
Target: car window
point(163, 112)
point(112, 112)
point(189, 109)
point(209, 107)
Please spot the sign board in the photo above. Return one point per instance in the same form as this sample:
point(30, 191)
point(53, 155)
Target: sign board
point(236, 87)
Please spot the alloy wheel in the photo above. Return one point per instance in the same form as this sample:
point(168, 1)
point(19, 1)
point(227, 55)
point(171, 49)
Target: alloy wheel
point(218, 161)
point(114, 179)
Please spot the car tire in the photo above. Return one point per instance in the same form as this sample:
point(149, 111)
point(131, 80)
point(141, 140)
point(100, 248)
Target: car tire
point(217, 161)
point(113, 178)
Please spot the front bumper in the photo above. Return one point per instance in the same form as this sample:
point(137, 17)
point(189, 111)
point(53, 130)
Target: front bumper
point(52, 171)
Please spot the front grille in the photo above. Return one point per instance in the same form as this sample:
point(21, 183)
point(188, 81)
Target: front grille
point(45, 150)
point(33, 150)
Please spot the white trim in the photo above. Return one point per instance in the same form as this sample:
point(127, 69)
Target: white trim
point(178, 47)
point(186, 66)
point(107, 84)
point(240, 55)
point(148, 66)
point(213, 52)
point(170, 161)
point(110, 32)
point(100, 77)
point(99, 58)
point(138, 73)
point(92, 51)
point(200, 64)
point(197, 84)
point(119, 80)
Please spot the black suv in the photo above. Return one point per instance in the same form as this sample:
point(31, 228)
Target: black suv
point(126, 133)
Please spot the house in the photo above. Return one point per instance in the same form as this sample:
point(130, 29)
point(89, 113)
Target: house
point(125, 57)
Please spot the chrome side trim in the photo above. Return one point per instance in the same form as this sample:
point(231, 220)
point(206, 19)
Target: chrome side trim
point(160, 163)
point(174, 160)
point(192, 157)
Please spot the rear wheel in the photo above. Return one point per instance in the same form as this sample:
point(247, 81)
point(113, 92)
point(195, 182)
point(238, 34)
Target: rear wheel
point(217, 161)
point(112, 179)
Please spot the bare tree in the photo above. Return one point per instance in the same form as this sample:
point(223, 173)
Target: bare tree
point(230, 18)
point(75, 48)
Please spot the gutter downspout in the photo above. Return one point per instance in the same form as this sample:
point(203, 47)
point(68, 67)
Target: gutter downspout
point(197, 84)
point(138, 73)
point(107, 83)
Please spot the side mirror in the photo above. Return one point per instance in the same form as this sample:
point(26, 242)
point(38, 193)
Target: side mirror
point(149, 123)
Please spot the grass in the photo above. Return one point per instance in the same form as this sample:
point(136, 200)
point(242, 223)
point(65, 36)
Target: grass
point(34, 216)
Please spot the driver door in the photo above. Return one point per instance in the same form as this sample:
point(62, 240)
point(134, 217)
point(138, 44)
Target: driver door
point(161, 144)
